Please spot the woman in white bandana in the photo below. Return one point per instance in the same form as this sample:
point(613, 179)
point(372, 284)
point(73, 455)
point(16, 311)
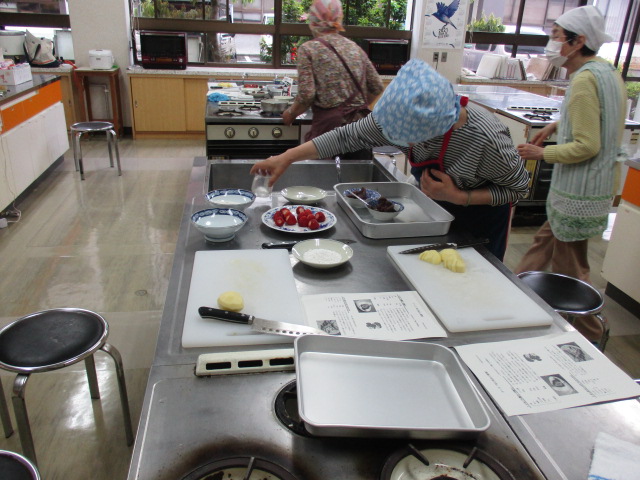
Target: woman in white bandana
point(589, 135)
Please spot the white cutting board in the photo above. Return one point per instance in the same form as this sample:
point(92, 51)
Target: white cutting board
point(482, 298)
point(264, 279)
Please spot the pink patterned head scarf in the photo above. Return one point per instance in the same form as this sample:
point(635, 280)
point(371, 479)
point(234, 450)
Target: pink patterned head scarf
point(325, 16)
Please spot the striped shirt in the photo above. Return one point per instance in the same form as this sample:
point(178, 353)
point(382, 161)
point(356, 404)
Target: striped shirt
point(480, 154)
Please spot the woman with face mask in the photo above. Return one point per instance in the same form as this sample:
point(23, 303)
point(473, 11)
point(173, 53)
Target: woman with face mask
point(589, 133)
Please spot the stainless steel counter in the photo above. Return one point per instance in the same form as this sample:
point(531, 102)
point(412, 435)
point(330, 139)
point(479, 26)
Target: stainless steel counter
point(13, 92)
point(560, 442)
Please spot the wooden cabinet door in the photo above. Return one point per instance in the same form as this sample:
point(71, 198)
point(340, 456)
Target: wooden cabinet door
point(195, 92)
point(158, 104)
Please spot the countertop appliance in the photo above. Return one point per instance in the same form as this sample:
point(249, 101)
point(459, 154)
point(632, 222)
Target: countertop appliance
point(101, 59)
point(164, 50)
point(387, 56)
point(243, 130)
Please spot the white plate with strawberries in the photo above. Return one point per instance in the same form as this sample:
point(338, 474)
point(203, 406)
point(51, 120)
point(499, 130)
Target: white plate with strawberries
point(299, 219)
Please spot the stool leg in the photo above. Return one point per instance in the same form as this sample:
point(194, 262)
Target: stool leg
point(115, 143)
point(90, 367)
point(109, 142)
point(124, 399)
point(4, 414)
point(80, 165)
point(74, 141)
point(605, 332)
point(22, 419)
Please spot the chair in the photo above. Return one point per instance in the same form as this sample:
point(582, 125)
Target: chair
point(17, 467)
point(569, 297)
point(80, 128)
point(50, 340)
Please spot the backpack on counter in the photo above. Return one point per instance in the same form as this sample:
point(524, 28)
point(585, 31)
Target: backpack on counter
point(39, 51)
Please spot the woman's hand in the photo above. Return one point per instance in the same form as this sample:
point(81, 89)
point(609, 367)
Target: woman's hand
point(288, 117)
point(530, 152)
point(274, 166)
point(443, 190)
point(544, 134)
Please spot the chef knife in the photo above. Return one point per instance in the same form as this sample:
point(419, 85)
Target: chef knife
point(440, 246)
point(259, 324)
point(290, 245)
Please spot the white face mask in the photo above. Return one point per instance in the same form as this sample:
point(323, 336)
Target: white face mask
point(552, 52)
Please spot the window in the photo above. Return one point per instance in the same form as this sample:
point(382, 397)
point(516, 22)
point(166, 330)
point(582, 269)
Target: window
point(262, 33)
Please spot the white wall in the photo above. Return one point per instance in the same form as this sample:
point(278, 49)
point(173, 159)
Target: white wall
point(103, 24)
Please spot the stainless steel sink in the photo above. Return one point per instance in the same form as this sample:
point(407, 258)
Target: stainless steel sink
point(318, 173)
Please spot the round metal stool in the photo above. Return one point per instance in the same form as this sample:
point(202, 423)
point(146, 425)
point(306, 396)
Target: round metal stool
point(17, 467)
point(388, 151)
point(50, 340)
point(569, 297)
point(80, 128)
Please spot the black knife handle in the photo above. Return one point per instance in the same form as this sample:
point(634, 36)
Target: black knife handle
point(218, 314)
point(287, 245)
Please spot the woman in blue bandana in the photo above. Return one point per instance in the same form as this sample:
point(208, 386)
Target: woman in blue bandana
point(461, 156)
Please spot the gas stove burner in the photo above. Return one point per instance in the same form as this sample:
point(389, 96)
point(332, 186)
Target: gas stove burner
point(447, 463)
point(240, 468)
point(229, 114)
point(535, 115)
point(250, 108)
point(270, 114)
point(286, 408)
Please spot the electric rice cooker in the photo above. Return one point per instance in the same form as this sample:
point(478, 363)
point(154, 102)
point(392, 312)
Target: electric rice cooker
point(101, 59)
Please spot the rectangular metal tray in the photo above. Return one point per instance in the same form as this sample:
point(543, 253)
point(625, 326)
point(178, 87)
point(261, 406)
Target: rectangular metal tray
point(421, 217)
point(351, 387)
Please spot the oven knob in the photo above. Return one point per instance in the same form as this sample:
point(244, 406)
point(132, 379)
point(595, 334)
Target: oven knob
point(229, 132)
point(253, 132)
point(276, 132)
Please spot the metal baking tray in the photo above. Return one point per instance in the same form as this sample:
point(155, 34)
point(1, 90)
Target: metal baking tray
point(421, 217)
point(351, 387)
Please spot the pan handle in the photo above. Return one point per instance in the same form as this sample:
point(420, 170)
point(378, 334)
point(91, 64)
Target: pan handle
point(226, 315)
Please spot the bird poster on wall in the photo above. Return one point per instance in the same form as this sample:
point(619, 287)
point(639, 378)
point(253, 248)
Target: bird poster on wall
point(445, 23)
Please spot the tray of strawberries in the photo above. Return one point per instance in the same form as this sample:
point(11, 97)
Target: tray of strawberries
point(299, 219)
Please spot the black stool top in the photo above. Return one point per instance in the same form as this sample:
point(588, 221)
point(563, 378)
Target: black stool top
point(16, 467)
point(51, 339)
point(564, 293)
point(386, 150)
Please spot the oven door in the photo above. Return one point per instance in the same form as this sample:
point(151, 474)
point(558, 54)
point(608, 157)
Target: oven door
point(229, 150)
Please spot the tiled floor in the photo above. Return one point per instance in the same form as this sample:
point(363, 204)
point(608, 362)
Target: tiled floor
point(106, 244)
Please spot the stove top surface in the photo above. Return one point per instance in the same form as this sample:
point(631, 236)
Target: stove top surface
point(232, 423)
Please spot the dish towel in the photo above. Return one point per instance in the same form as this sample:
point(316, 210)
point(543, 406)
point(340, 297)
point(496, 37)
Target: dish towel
point(614, 459)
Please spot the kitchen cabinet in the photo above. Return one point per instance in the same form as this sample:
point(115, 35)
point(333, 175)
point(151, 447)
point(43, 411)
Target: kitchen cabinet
point(29, 149)
point(158, 104)
point(622, 260)
point(195, 90)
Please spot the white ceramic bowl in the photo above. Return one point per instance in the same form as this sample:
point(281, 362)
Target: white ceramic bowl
point(303, 195)
point(230, 198)
point(385, 216)
point(322, 252)
point(355, 203)
point(219, 224)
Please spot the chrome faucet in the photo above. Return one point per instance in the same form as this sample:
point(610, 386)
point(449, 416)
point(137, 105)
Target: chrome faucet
point(337, 159)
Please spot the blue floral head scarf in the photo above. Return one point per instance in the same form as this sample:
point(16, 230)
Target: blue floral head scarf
point(419, 104)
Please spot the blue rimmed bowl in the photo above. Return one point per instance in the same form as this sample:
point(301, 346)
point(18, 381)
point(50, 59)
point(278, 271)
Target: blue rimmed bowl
point(219, 224)
point(354, 202)
point(235, 198)
point(384, 216)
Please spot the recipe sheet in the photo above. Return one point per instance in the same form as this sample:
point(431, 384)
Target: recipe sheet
point(542, 374)
point(378, 316)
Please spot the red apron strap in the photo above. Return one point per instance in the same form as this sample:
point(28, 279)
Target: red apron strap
point(433, 162)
